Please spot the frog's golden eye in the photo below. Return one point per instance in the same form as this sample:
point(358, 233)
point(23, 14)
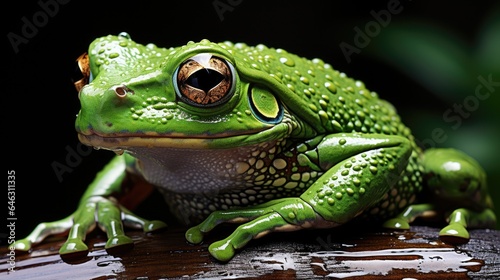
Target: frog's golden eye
point(205, 80)
point(83, 72)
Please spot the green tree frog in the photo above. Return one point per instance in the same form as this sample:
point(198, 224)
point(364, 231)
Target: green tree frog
point(232, 133)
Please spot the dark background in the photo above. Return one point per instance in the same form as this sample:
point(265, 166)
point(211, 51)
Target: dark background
point(425, 59)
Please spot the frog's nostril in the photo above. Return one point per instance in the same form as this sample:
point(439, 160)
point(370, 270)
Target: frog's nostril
point(122, 91)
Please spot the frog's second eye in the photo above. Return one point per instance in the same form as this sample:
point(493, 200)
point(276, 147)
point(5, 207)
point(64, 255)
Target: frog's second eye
point(84, 72)
point(204, 80)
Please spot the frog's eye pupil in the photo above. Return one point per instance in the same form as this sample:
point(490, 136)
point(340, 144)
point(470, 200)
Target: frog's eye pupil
point(204, 80)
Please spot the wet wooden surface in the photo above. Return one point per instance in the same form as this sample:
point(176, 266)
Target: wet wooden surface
point(333, 254)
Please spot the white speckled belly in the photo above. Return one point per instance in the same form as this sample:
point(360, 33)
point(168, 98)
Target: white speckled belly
point(205, 171)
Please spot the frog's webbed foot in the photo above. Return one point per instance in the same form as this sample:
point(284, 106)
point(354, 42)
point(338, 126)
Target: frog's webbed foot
point(108, 214)
point(287, 214)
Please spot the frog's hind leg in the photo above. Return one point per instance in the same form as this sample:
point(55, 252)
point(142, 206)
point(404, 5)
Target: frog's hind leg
point(456, 179)
point(456, 184)
point(461, 219)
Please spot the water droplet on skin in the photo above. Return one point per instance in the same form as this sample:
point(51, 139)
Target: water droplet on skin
point(323, 115)
point(337, 126)
point(287, 61)
point(323, 104)
point(124, 35)
point(331, 87)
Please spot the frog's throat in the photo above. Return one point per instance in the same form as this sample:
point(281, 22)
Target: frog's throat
point(222, 141)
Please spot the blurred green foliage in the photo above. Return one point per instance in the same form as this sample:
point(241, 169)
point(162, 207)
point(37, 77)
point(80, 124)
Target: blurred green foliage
point(451, 68)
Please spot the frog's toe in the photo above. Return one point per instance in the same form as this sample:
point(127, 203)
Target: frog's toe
point(222, 250)
point(194, 235)
point(454, 234)
point(132, 220)
point(119, 244)
point(22, 245)
point(154, 226)
point(397, 223)
point(73, 248)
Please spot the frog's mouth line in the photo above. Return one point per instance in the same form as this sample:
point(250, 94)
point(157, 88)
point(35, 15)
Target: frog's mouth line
point(226, 140)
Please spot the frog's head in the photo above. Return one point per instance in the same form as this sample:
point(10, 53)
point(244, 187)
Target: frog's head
point(454, 177)
point(194, 96)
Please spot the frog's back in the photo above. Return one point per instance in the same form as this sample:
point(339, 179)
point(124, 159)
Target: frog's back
point(327, 99)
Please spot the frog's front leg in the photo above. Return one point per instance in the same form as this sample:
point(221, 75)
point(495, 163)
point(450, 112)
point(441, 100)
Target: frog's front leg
point(286, 214)
point(97, 206)
point(357, 171)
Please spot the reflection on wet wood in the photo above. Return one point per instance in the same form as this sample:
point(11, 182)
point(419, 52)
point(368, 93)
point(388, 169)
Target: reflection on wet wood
point(340, 253)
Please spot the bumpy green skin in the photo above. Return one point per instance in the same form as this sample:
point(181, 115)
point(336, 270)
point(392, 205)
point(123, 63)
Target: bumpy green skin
point(290, 143)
